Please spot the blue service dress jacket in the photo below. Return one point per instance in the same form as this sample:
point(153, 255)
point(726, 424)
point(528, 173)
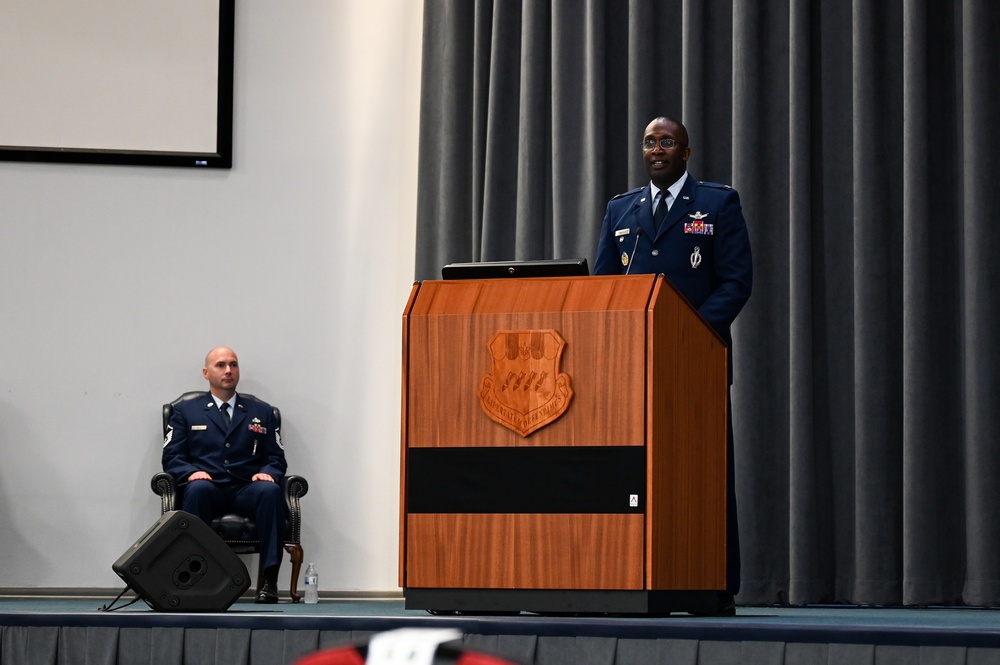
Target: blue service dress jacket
point(197, 440)
point(702, 247)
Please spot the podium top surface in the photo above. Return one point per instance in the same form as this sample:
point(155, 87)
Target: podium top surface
point(538, 294)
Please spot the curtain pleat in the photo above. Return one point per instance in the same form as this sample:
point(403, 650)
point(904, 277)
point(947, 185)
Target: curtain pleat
point(876, 258)
point(933, 521)
point(28, 645)
point(862, 139)
point(91, 645)
point(980, 313)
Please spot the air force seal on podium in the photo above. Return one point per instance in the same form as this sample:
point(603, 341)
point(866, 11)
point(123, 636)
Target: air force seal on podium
point(525, 390)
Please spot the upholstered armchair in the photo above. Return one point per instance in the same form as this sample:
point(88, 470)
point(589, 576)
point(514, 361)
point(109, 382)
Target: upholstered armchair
point(240, 532)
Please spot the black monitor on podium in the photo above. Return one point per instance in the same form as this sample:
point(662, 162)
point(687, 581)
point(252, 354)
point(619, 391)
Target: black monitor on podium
point(499, 269)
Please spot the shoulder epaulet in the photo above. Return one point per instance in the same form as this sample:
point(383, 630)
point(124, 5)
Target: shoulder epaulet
point(714, 185)
point(251, 400)
point(631, 191)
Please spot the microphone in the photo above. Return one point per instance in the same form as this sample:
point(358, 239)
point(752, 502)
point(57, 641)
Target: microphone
point(638, 232)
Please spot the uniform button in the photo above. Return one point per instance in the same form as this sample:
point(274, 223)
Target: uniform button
point(226, 461)
point(656, 252)
point(228, 444)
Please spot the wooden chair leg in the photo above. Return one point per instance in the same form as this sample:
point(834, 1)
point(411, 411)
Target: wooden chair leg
point(295, 552)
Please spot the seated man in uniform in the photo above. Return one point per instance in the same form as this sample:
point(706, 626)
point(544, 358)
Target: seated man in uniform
point(226, 454)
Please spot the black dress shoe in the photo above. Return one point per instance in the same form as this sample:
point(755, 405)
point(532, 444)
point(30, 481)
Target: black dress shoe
point(725, 607)
point(268, 594)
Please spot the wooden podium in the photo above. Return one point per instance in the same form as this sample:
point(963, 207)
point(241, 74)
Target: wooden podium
point(563, 448)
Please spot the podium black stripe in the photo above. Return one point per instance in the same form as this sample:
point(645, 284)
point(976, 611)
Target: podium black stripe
point(570, 479)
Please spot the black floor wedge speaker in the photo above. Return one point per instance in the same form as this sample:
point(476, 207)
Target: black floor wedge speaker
point(181, 565)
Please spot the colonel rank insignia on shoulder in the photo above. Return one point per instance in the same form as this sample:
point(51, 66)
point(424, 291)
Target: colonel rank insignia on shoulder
point(636, 190)
point(713, 185)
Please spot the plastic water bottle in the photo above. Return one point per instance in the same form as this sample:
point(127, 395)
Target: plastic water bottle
point(312, 585)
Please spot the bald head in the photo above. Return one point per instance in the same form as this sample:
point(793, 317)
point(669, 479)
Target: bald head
point(219, 350)
point(222, 371)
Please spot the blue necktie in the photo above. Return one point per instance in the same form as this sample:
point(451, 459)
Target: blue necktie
point(225, 413)
point(661, 208)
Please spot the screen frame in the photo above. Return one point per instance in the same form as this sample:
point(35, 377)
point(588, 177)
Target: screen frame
point(221, 157)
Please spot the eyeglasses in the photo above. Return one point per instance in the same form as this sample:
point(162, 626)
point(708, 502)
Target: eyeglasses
point(666, 144)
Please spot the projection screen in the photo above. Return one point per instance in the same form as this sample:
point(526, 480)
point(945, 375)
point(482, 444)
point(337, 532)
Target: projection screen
point(117, 81)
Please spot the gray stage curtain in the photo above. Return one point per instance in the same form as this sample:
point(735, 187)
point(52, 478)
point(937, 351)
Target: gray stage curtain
point(863, 140)
point(35, 645)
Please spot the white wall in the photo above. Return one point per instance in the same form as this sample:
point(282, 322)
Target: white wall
point(117, 280)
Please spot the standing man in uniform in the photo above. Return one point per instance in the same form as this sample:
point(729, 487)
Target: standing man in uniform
point(692, 232)
point(226, 454)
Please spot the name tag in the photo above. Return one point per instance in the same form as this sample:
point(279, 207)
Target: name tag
point(622, 232)
point(194, 427)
